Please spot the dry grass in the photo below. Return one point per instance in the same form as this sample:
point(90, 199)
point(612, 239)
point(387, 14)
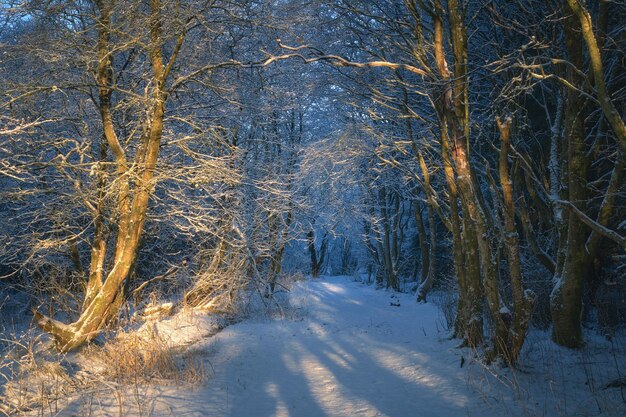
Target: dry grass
point(133, 356)
point(446, 301)
point(37, 380)
point(32, 378)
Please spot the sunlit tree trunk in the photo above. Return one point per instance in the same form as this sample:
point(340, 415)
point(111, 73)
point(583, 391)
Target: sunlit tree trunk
point(477, 252)
point(585, 25)
point(522, 300)
point(461, 273)
point(98, 246)
point(100, 299)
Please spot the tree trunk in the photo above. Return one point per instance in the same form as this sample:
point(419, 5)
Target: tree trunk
point(566, 297)
point(100, 303)
point(453, 112)
point(522, 300)
point(317, 257)
point(315, 266)
point(280, 244)
point(429, 279)
point(387, 241)
point(462, 318)
point(585, 24)
point(423, 246)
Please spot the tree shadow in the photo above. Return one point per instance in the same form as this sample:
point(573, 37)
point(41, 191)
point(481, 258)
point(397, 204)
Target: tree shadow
point(354, 355)
point(327, 367)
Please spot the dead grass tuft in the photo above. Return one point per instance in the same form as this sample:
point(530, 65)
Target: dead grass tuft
point(129, 356)
point(133, 356)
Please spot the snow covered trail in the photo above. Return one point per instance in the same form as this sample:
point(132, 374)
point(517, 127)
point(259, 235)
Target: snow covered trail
point(351, 353)
point(345, 349)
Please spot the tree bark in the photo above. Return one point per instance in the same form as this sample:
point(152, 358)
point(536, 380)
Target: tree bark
point(522, 300)
point(317, 256)
point(429, 279)
point(595, 57)
point(566, 297)
point(100, 303)
point(474, 235)
point(423, 246)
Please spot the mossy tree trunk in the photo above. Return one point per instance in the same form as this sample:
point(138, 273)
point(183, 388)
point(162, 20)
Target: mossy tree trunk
point(585, 27)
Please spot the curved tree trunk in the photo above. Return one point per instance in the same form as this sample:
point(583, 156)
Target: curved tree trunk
point(100, 297)
point(585, 24)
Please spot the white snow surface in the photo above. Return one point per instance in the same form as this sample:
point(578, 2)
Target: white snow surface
point(345, 350)
point(350, 354)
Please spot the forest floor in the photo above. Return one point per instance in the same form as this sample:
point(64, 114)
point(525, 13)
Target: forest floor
point(341, 348)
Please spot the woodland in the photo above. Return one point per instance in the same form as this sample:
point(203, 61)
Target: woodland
point(197, 152)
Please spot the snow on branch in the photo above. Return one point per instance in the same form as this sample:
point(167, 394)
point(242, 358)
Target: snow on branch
point(305, 53)
point(595, 226)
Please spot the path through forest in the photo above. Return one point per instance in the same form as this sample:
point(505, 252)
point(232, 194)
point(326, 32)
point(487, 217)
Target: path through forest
point(347, 351)
point(342, 348)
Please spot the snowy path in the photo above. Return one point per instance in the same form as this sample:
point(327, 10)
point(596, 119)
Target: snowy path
point(344, 350)
point(350, 354)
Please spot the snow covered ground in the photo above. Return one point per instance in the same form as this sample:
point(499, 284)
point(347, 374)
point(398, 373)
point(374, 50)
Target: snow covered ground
point(349, 350)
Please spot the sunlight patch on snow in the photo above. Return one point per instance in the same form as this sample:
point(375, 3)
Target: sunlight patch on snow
point(334, 288)
point(184, 328)
point(338, 360)
point(342, 352)
point(330, 394)
point(281, 408)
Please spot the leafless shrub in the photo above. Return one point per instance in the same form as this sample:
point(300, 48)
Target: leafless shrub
point(215, 290)
point(446, 299)
point(287, 280)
